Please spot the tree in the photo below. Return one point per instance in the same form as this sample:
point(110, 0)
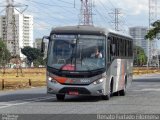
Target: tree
point(140, 57)
point(32, 54)
point(153, 32)
point(5, 54)
point(39, 61)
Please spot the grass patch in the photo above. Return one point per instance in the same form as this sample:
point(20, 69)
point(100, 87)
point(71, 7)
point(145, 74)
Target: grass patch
point(35, 77)
point(31, 77)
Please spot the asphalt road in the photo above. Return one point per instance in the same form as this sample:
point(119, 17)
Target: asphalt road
point(142, 97)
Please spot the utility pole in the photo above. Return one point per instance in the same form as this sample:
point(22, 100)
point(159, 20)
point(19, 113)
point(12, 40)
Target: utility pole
point(86, 13)
point(10, 36)
point(152, 45)
point(116, 20)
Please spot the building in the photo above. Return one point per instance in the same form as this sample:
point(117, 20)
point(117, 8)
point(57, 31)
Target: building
point(19, 34)
point(138, 34)
point(37, 44)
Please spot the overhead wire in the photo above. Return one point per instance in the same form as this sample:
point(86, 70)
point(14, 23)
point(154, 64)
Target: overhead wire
point(107, 10)
point(99, 13)
point(44, 13)
point(67, 13)
point(65, 8)
point(2, 10)
point(50, 14)
point(65, 2)
point(52, 5)
point(2, 2)
point(62, 7)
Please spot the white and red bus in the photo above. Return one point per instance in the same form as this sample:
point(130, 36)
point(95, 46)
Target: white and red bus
point(72, 68)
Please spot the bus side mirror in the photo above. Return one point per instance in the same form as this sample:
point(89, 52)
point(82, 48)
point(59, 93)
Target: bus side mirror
point(43, 44)
point(42, 47)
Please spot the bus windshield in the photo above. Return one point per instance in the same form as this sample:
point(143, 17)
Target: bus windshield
point(76, 53)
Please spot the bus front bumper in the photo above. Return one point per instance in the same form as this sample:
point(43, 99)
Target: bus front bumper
point(91, 89)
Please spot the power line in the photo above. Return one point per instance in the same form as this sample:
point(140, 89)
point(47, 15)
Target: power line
point(47, 4)
point(111, 4)
point(65, 2)
point(62, 7)
point(2, 10)
point(99, 13)
point(2, 2)
point(52, 16)
point(116, 20)
point(48, 13)
point(109, 17)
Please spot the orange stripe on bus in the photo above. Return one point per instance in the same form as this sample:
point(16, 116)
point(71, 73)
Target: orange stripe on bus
point(122, 79)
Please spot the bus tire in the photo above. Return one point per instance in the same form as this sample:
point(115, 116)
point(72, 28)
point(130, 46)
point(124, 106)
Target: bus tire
point(123, 92)
point(107, 97)
point(60, 97)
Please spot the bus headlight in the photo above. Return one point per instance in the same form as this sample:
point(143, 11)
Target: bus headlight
point(52, 80)
point(98, 81)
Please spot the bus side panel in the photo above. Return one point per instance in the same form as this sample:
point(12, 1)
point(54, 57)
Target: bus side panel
point(125, 74)
point(129, 72)
point(117, 71)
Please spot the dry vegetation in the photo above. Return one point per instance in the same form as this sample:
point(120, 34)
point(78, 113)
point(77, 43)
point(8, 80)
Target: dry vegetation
point(30, 77)
point(144, 70)
point(33, 77)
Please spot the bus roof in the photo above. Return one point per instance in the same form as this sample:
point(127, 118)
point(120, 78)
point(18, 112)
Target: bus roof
point(84, 29)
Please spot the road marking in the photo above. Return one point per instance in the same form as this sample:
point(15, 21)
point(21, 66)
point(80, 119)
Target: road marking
point(147, 89)
point(34, 100)
point(151, 89)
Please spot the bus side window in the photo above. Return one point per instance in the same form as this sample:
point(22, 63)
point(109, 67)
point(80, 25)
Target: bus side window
point(109, 49)
point(113, 49)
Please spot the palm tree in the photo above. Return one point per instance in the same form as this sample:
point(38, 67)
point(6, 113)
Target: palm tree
point(153, 32)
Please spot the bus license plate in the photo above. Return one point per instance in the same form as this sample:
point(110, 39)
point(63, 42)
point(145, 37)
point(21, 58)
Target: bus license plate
point(73, 93)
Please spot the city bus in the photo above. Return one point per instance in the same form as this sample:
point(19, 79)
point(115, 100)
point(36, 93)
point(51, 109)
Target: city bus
point(72, 69)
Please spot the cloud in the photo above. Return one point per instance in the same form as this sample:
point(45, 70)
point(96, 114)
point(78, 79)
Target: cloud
point(133, 7)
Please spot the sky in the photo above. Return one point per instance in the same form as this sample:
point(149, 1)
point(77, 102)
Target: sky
point(52, 13)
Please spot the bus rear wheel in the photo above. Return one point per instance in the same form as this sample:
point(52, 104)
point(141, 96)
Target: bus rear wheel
point(60, 97)
point(123, 91)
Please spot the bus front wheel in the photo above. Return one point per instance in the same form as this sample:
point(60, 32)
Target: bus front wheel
point(107, 97)
point(60, 97)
